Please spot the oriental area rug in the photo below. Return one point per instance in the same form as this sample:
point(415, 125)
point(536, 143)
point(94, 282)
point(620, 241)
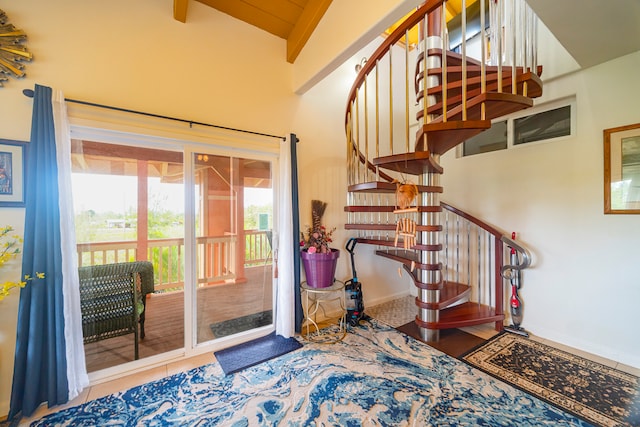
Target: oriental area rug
point(375, 376)
point(601, 395)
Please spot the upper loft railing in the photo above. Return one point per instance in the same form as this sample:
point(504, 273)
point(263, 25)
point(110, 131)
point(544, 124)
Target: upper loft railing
point(386, 104)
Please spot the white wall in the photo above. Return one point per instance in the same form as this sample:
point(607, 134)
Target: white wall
point(583, 289)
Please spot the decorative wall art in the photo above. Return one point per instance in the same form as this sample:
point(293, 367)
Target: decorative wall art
point(622, 170)
point(12, 173)
point(13, 53)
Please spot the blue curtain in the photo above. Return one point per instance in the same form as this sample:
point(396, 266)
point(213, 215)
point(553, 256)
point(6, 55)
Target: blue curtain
point(40, 369)
point(296, 232)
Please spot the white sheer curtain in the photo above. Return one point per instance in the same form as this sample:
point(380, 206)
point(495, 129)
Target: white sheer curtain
point(76, 367)
point(285, 295)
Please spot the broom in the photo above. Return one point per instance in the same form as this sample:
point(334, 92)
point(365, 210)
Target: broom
point(317, 210)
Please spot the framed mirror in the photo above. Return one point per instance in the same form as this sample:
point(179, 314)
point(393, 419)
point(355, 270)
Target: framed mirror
point(622, 170)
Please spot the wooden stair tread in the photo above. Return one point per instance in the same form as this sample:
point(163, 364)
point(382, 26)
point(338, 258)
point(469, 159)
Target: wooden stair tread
point(388, 227)
point(454, 87)
point(388, 187)
point(415, 163)
point(473, 70)
point(497, 105)
point(453, 58)
point(390, 243)
point(408, 258)
point(416, 280)
point(443, 136)
point(386, 209)
point(462, 315)
point(450, 293)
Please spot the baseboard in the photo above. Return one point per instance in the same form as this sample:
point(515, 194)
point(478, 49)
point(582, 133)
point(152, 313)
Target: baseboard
point(632, 360)
point(382, 300)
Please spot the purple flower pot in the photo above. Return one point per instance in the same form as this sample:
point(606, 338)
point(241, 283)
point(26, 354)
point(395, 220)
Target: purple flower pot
point(320, 269)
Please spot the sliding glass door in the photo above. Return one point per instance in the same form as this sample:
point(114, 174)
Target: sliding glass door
point(130, 208)
point(233, 224)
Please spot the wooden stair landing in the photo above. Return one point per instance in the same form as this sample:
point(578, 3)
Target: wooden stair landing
point(465, 314)
point(453, 342)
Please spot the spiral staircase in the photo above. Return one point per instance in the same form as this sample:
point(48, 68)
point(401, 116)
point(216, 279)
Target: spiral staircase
point(412, 102)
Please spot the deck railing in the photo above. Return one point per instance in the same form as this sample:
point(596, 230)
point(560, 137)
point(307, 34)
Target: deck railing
point(257, 247)
point(216, 256)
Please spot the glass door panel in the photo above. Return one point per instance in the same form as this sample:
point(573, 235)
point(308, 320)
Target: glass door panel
point(234, 221)
point(129, 208)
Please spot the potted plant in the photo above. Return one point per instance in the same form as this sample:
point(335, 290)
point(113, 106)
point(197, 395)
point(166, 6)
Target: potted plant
point(318, 258)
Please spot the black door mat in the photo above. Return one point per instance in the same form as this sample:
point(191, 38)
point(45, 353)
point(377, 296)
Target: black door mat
point(241, 324)
point(245, 355)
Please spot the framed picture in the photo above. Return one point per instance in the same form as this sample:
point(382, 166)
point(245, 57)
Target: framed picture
point(12, 173)
point(622, 170)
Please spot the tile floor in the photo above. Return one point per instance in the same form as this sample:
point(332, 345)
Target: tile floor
point(394, 313)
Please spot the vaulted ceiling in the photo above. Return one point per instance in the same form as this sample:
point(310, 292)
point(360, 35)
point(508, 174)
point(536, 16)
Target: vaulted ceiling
point(292, 20)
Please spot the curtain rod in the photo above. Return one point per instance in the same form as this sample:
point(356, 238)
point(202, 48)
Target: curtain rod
point(29, 93)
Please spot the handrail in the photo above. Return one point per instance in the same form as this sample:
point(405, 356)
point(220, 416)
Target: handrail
point(493, 231)
point(526, 255)
point(526, 258)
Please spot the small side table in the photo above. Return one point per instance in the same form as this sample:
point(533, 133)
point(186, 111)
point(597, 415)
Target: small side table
point(314, 299)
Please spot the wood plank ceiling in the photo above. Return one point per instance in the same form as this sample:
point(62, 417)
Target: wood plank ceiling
point(292, 20)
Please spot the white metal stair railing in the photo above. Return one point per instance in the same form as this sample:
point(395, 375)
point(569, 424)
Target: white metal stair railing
point(478, 255)
point(469, 257)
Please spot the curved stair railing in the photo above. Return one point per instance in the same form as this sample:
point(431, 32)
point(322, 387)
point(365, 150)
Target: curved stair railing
point(475, 257)
point(415, 99)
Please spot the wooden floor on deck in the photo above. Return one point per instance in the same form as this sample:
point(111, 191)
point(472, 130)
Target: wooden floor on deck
point(164, 325)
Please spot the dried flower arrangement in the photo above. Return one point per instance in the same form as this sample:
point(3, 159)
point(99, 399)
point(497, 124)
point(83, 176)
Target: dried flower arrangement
point(317, 237)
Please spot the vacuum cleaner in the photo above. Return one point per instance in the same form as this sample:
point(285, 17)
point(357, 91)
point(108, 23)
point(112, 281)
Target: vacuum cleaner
point(353, 291)
point(511, 272)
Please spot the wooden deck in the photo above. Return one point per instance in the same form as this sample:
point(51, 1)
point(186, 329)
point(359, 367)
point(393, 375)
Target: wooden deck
point(164, 326)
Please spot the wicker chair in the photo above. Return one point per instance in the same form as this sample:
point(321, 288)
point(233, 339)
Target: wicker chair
point(109, 296)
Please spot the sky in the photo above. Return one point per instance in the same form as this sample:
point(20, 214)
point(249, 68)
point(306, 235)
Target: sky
point(103, 193)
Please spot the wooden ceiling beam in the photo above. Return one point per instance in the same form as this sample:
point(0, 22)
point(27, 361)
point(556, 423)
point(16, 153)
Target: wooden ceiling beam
point(252, 14)
point(180, 10)
point(305, 26)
